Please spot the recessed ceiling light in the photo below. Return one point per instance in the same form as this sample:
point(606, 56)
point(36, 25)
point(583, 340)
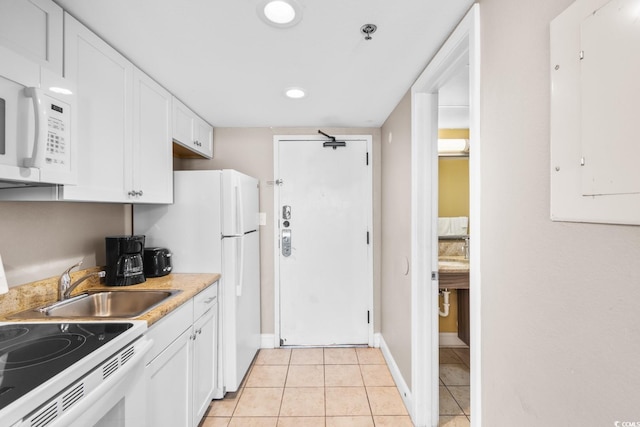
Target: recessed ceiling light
point(295, 93)
point(280, 13)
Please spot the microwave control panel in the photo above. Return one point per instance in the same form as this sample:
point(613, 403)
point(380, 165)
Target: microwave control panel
point(58, 153)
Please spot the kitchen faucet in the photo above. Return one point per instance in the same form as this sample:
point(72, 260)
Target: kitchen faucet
point(64, 283)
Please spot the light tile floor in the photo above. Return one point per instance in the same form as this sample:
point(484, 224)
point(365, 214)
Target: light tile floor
point(335, 387)
point(324, 387)
point(455, 402)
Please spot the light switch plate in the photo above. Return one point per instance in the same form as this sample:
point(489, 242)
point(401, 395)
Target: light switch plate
point(263, 218)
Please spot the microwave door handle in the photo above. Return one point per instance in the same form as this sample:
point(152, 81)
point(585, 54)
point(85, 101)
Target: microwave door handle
point(40, 115)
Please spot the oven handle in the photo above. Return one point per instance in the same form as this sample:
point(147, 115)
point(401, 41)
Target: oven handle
point(91, 402)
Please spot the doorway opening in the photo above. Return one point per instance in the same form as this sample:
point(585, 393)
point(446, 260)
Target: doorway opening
point(459, 51)
point(454, 238)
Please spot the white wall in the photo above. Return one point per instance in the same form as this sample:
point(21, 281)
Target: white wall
point(560, 316)
point(41, 239)
point(396, 235)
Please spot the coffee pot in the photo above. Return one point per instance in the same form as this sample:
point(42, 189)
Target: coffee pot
point(124, 260)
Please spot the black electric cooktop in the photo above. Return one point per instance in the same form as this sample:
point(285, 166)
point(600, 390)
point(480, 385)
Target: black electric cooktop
point(32, 353)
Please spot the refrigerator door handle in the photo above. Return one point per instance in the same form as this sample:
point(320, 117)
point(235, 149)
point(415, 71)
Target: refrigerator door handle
point(239, 210)
point(240, 275)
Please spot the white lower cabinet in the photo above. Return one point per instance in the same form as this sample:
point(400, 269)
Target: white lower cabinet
point(168, 385)
point(181, 368)
point(204, 362)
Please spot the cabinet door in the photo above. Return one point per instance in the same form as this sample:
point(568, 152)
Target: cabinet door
point(33, 28)
point(204, 138)
point(204, 362)
point(169, 385)
point(104, 135)
point(182, 123)
point(152, 156)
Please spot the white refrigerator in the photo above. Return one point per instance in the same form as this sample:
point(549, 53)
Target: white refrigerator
point(212, 227)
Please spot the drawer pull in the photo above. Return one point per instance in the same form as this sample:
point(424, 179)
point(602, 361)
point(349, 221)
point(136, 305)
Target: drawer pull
point(210, 300)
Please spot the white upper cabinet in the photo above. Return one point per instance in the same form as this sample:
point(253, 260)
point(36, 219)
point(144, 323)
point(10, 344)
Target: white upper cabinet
point(152, 157)
point(124, 126)
point(191, 131)
point(104, 82)
point(203, 137)
point(182, 123)
point(33, 28)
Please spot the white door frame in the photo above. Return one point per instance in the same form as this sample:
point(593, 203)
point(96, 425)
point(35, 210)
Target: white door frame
point(276, 226)
point(463, 45)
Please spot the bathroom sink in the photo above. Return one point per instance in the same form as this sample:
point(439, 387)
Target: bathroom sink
point(453, 264)
point(453, 258)
point(103, 304)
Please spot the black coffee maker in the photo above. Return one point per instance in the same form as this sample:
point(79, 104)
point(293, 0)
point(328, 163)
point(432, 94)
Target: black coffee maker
point(124, 260)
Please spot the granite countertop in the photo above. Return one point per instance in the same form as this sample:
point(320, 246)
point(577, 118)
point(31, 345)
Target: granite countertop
point(453, 264)
point(44, 292)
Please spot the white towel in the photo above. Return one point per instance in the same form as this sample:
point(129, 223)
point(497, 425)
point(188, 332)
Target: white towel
point(453, 226)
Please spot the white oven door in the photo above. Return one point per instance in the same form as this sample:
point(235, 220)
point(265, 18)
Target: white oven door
point(117, 401)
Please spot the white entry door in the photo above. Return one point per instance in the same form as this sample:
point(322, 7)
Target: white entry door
point(324, 263)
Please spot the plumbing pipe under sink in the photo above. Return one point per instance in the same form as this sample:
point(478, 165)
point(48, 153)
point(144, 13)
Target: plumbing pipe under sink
point(445, 293)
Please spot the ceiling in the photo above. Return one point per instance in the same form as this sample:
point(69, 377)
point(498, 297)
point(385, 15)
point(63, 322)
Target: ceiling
point(232, 68)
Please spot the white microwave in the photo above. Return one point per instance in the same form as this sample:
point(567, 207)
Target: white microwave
point(36, 134)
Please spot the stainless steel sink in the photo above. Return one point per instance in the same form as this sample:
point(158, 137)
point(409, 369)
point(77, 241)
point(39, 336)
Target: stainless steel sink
point(102, 304)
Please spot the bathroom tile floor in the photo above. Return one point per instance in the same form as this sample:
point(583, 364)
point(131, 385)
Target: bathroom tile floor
point(455, 402)
point(324, 387)
point(335, 387)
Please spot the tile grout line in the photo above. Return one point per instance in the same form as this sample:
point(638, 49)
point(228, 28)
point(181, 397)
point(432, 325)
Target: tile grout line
point(455, 400)
point(324, 373)
point(284, 387)
point(365, 389)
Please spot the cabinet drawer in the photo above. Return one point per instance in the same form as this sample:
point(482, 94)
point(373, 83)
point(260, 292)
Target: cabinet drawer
point(169, 329)
point(205, 300)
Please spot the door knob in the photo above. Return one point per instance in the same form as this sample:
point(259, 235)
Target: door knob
point(286, 242)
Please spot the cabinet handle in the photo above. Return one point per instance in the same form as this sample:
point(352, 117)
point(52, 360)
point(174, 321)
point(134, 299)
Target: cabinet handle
point(140, 193)
point(209, 300)
point(132, 194)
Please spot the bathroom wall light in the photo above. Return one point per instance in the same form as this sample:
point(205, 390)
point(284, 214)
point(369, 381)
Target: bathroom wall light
point(280, 13)
point(453, 147)
point(295, 93)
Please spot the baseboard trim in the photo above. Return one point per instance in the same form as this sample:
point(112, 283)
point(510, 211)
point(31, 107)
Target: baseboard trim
point(404, 390)
point(450, 339)
point(267, 341)
point(376, 340)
